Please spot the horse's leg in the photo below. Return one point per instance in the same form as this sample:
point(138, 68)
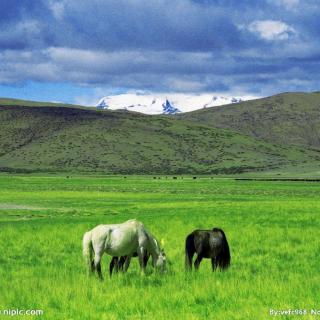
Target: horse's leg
point(141, 255)
point(113, 264)
point(97, 264)
point(127, 263)
point(92, 267)
point(189, 256)
point(146, 258)
point(213, 264)
point(121, 262)
point(190, 250)
point(198, 260)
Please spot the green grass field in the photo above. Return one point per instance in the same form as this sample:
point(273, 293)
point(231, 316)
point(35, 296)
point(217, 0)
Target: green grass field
point(272, 229)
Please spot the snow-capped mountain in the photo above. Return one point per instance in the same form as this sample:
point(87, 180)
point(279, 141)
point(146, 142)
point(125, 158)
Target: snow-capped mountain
point(166, 104)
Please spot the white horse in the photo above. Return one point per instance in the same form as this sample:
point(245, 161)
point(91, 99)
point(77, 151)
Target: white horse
point(118, 240)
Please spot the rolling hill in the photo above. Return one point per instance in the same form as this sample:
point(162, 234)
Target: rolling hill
point(45, 138)
point(285, 119)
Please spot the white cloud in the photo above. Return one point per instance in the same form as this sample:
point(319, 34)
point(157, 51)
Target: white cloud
point(271, 29)
point(288, 4)
point(57, 9)
point(23, 30)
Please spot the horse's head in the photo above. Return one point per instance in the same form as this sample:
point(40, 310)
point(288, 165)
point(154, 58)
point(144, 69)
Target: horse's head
point(161, 261)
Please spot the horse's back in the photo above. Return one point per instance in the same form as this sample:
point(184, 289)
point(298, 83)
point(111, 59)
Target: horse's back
point(121, 239)
point(133, 223)
point(102, 229)
point(217, 232)
point(208, 242)
point(118, 239)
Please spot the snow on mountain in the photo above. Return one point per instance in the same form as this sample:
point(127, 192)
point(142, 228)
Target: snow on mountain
point(166, 104)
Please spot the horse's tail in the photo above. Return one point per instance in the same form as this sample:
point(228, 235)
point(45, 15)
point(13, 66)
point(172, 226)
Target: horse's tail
point(223, 258)
point(87, 250)
point(189, 251)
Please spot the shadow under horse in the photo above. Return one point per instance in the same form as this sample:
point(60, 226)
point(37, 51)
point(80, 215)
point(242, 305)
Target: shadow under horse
point(210, 244)
point(117, 264)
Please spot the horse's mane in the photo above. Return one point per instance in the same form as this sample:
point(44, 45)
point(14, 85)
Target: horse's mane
point(153, 241)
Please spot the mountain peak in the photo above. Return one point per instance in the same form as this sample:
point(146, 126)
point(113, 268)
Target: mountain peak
point(166, 104)
point(168, 108)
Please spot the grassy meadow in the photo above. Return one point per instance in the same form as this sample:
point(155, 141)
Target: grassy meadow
point(272, 229)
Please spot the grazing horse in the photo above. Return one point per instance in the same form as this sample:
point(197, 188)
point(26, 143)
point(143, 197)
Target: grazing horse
point(117, 263)
point(119, 240)
point(210, 244)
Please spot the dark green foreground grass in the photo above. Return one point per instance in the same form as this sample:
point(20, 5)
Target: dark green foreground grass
point(272, 229)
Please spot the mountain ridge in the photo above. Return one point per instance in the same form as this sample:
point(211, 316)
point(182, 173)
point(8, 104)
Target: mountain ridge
point(286, 118)
point(59, 139)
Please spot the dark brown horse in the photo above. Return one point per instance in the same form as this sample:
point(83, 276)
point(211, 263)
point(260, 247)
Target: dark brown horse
point(211, 244)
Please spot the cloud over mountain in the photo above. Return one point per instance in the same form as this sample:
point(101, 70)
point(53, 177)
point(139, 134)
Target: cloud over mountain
point(248, 47)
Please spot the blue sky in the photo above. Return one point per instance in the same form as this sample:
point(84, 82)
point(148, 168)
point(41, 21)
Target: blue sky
point(78, 51)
